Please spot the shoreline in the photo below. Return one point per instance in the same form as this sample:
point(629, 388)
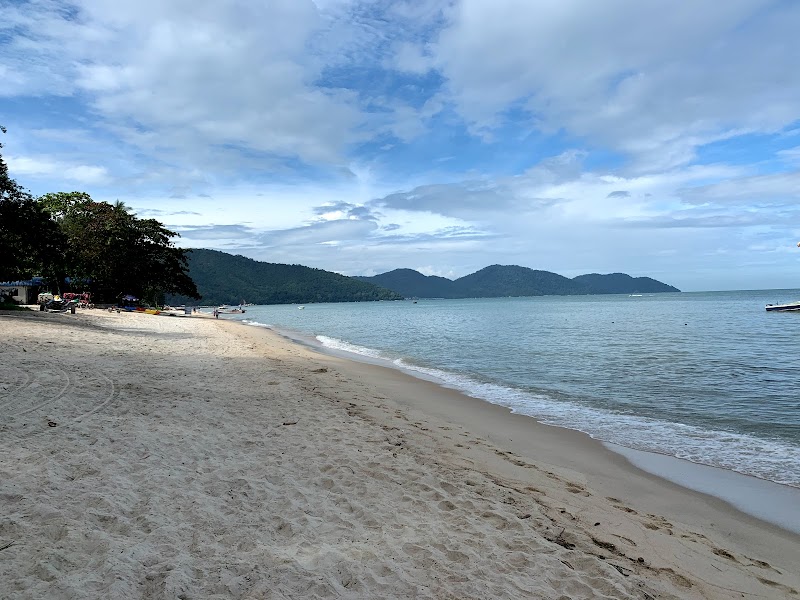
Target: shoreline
point(743, 492)
point(199, 457)
point(590, 460)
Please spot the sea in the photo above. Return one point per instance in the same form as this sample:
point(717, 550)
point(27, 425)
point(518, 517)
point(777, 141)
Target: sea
point(709, 377)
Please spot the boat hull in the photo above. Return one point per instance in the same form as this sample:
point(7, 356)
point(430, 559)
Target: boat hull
point(789, 307)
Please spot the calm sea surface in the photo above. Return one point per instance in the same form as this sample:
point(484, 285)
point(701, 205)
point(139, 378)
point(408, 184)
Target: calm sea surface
point(709, 377)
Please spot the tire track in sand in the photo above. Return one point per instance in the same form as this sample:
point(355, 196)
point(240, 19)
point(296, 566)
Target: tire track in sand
point(87, 400)
point(51, 399)
point(18, 388)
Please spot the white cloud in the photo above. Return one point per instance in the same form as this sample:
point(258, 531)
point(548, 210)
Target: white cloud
point(410, 58)
point(251, 126)
point(22, 166)
point(226, 73)
point(753, 191)
point(790, 155)
point(653, 80)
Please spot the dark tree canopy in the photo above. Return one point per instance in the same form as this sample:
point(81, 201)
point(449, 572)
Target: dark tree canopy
point(226, 279)
point(117, 252)
point(29, 240)
point(99, 246)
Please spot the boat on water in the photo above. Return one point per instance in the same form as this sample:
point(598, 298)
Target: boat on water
point(227, 310)
point(788, 307)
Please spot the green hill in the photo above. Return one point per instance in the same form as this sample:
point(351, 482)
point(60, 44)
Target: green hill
point(511, 280)
point(414, 284)
point(223, 278)
point(620, 283)
point(500, 280)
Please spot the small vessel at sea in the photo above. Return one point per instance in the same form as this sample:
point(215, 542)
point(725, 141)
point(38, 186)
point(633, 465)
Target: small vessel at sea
point(227, 310)
point(300, 307)
point(788, 307)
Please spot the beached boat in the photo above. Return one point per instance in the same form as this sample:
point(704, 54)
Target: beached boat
point(791, 306)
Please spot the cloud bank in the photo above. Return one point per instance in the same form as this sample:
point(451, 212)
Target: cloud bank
point(653, 138)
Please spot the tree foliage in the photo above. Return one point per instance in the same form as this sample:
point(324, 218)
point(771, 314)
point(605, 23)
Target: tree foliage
point(116, 252)
point(100, 247)
point(29, 241)
point(227, 279)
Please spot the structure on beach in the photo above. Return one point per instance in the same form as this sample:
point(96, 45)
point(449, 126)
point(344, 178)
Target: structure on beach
point(23, 291)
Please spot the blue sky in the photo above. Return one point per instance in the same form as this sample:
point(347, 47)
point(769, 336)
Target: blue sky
point(656, 138)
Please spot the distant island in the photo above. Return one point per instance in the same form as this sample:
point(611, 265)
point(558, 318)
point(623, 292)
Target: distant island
point(499, 281)
point(223, 278)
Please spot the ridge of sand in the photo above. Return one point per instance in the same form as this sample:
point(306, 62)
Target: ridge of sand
point(153, 457)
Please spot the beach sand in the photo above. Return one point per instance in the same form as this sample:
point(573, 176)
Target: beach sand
point(185, 457)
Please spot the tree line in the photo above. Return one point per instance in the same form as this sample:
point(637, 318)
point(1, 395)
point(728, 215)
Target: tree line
point(79, 244)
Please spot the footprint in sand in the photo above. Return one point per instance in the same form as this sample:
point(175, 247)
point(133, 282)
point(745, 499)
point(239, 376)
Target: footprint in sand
point(574, 488)
point(724, 554)
point(626, 509)
point(762, 564)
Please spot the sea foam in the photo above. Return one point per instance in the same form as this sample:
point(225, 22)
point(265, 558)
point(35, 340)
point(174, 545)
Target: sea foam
point(773, 460)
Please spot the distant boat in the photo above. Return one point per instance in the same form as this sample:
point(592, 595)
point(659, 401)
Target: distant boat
point(791, 306)
point(227, 310)
point(634, 295)
point(300, 307)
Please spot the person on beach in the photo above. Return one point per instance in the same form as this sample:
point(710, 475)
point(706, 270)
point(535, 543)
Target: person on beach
point(216, 314)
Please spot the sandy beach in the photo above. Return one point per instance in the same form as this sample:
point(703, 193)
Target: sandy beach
point(146, 456)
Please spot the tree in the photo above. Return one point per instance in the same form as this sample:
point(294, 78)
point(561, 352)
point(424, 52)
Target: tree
point(117, 252)
point(63, 204)
point(30, 241)
point(102, 246)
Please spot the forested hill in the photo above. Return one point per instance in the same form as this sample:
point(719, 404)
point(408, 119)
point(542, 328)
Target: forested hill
point(620, 283)
point(500, 281)
point(223, 278)
point(413, 284)
point(227, 279)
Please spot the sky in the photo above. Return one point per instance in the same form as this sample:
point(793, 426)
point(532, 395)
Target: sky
point(656, 138)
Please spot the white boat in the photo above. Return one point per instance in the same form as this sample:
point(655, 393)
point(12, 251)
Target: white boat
point(300, 307)
point(227, 310)
point(788, 307)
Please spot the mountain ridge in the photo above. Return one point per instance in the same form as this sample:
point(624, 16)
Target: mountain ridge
point(223, 278)
point(513, 280)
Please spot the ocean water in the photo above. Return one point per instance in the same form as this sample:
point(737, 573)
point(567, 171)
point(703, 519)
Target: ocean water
point(708, 377)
